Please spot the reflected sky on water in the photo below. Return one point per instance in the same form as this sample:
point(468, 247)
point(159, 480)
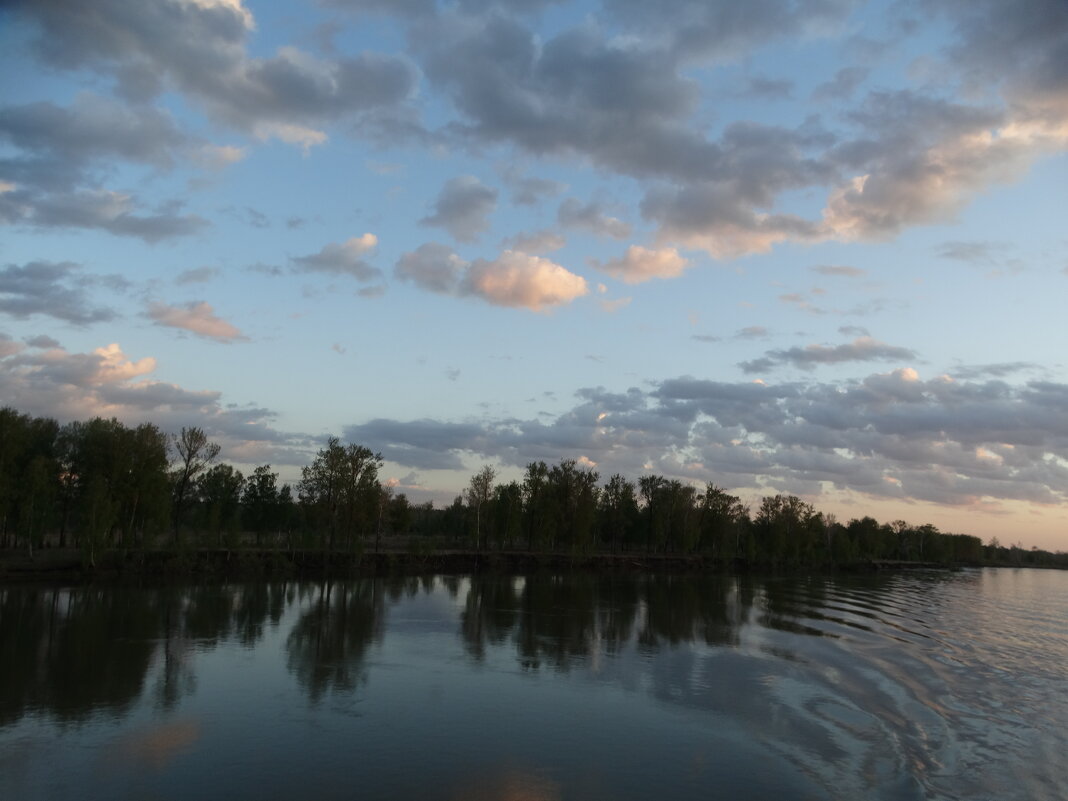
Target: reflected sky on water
point(920, 685)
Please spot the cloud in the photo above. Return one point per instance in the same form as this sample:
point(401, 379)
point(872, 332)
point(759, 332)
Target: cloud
point(861, 349)
point(618, 94)
point(801, 302)
point(94, 128)
point(270, 270)
point(528, 191)
point(641, 264)
point(63, 151)
point(752, 332)
point(419, 444)
point(42, 341)
point(762, 88)
point(716, 218)
point(55, 289)
point(888, 435)
point(616, 103)
point(904, 159)
point(342, 258)
point(200, 49)
point(997, 370)
point(108, 383)
point(842, 86)
point(432, 266)
point(611, 306)
point(8, 346)
point(197, 317)
point(573, 214)
point(926, 158)
point(100, 209)
point(401, 8)
point(1022, 54)
point(376, 291)
point(982, 253)
point(104, 366)
point(216, 157)
point(839, 270)
point(520, 280)
point(853, 331)
point(544, 241)
point(197, 275)
point(513, 279)
point(462, 208)
point(720, 31)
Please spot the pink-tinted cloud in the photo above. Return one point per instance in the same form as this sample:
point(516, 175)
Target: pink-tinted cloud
point(197, 317)
point(524, 281)
point(640, 264)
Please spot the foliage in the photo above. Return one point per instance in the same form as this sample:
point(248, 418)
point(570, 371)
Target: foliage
point(98, 483)
point(340, 494)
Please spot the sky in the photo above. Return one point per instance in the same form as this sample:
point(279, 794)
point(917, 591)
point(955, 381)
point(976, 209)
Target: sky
point(814, 247)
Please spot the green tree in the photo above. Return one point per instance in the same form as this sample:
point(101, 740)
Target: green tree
point(653, 510)
point(723, 518)
point(618, 511)
point(786, 525)
point(537, 517)
point(508, 513)
point(219, 493)
point(341, 493)
point(194, 454)
point(144, 488)
point(260, 511)
point(399, 513)
point(478, 493)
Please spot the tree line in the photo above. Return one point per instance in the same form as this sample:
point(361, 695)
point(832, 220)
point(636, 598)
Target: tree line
point(564, 507)
point(101, 484)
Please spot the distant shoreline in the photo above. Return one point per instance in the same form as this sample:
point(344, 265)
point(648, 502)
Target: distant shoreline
point(251, 563)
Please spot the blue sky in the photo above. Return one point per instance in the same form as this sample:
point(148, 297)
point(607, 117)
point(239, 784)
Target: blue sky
point(805, 246)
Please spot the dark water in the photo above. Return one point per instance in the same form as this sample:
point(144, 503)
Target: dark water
point(935, 685)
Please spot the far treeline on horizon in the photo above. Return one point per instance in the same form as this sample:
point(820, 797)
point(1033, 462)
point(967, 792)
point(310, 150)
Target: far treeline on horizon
point(99, 484)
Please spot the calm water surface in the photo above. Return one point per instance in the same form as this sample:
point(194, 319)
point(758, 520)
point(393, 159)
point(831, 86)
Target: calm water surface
point(933, 685)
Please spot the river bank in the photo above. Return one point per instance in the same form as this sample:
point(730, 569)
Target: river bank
point(249, 563)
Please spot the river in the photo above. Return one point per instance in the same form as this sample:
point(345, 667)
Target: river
point(912, 685)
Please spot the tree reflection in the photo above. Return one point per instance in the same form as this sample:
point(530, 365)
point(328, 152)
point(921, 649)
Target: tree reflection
point(557, 620)
point(327, 645)
point(256, 604)
point(565, 620)
point(683, 609)
point(99, 654)
point(489, 614)
point(71, 652)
